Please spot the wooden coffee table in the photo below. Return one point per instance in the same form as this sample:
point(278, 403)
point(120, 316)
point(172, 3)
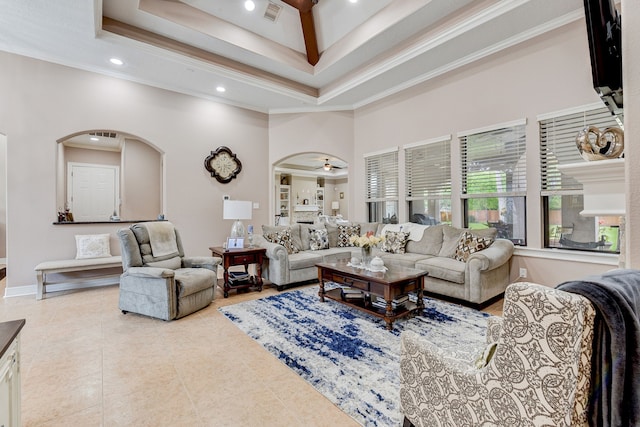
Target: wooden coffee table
point(389, 285)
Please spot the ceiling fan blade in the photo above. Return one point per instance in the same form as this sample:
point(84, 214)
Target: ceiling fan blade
point(308, 28)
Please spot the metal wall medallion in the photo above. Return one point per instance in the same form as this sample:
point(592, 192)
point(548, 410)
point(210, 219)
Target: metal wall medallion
point(223, 165)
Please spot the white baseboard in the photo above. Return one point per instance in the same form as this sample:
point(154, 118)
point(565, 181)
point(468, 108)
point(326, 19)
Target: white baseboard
point(19, 291)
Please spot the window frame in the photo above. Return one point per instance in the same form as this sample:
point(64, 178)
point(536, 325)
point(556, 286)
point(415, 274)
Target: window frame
point(434, 187)
point(382, 167)
point(497, 137)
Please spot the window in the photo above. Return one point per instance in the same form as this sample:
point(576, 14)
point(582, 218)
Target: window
point(494, 180)
point(562, 198)
point(381, 172)
point(428, 181)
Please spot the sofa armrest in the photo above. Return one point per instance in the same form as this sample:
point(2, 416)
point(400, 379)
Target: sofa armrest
point(494, 256)
point(274, 250)
point(207, 262)
point(150, 272)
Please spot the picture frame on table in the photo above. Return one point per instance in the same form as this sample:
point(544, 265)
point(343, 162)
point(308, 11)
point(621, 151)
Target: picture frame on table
point(235, 243)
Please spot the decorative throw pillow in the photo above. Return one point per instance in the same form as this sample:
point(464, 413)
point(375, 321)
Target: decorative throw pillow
point(318, 239)
point(395, 242)
point(469, 244)
point(282, 238)
point(346, 231)
point(92, 246)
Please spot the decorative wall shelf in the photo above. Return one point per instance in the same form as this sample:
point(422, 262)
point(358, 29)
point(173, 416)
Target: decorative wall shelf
point(603, 183)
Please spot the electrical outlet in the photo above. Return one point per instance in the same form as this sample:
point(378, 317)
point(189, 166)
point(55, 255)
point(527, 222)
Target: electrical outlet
point(523, 273)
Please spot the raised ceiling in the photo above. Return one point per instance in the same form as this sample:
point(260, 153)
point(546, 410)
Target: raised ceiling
point(367, 50)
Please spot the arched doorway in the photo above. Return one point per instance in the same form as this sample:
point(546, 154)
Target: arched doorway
point(308, 186)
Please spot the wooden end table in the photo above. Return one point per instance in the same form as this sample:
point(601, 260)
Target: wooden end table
point(240, 256)
point(389, 285)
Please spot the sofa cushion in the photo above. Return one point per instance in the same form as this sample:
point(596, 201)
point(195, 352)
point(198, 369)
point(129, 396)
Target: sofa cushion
point(366, 227)
point(451, 236)
point(294, 230)
point(283, 238)
point(318, 239)
point(430, 244)
point(332, 231)
point(470, 243)
point(305, 259)
point(305, 234)
point(345, 232)
point(443, 268)
point(404, 260)
point(395, 242)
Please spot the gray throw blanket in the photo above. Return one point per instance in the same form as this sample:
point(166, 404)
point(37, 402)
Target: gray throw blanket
point(615, 379)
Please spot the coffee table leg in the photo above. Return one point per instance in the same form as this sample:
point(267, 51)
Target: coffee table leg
point(321, 291)
point(388, 315)
point(420, 302)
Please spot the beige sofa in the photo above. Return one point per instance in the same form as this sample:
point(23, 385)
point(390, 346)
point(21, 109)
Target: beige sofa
point(482, 277)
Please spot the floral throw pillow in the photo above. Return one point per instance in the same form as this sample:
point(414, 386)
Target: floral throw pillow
point(318, 239)
point(92, 246)
point(395, 242)
point(283, 238)
point(346, 231)
point(469, 244)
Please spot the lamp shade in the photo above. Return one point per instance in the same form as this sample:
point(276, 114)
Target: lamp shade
point(335, 205)
point(236, 209)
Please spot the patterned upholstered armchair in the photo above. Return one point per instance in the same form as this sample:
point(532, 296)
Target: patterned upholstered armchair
point(538, 375)
point(158, 280)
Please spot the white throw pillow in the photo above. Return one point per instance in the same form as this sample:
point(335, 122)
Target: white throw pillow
point(92, 246)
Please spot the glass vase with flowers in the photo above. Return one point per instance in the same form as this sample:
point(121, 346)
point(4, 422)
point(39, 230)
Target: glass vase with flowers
point(366, 242)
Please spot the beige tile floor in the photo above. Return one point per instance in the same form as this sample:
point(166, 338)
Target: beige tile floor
point(84, 363)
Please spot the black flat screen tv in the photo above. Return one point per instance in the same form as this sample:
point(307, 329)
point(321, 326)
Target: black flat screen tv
point(605, 48)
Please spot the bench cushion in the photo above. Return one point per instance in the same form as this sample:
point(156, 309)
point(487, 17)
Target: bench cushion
point(78, 264)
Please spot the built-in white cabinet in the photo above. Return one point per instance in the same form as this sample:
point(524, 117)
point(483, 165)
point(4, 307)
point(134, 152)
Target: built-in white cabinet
point(283, 202)
point(10, 373)
point(320, 200)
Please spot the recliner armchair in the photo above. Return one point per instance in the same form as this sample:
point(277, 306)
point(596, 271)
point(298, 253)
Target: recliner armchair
point(157, 279)
point(539, 373)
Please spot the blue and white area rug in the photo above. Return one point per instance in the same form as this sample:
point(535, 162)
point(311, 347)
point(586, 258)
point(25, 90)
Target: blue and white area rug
point(348, 355)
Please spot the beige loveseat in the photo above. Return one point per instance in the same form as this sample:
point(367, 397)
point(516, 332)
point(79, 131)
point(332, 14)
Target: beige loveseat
point(483, 276)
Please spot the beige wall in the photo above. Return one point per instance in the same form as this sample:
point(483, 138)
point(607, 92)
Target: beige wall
point(325, 132)
point(631, 84)
point(545, 75)
point(45, 102)
point(3, 196)
point(141, 184)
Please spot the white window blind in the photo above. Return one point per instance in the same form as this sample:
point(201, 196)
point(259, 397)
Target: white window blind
point(382, 177)
point(428, 171)
point(558, 147)
point(494, 163)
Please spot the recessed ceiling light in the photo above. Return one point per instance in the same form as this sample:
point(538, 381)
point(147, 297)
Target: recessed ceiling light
point(94, 138)
point(116, 61)
point(353, 1)
point(249, 5)
point(221, 89)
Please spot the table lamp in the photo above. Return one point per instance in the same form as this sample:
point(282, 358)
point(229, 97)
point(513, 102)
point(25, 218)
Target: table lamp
point(237, 210)
point(335, 206)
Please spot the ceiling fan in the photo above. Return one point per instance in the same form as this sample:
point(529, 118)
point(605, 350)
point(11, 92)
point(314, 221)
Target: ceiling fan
point(308, 27)
point(328, 166)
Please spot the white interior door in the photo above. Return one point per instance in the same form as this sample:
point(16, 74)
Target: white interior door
point(93, 191)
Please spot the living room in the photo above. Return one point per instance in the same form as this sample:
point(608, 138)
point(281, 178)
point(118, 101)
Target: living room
point(46, 102)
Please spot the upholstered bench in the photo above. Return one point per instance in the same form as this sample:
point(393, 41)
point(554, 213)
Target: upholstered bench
point(72, 265)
